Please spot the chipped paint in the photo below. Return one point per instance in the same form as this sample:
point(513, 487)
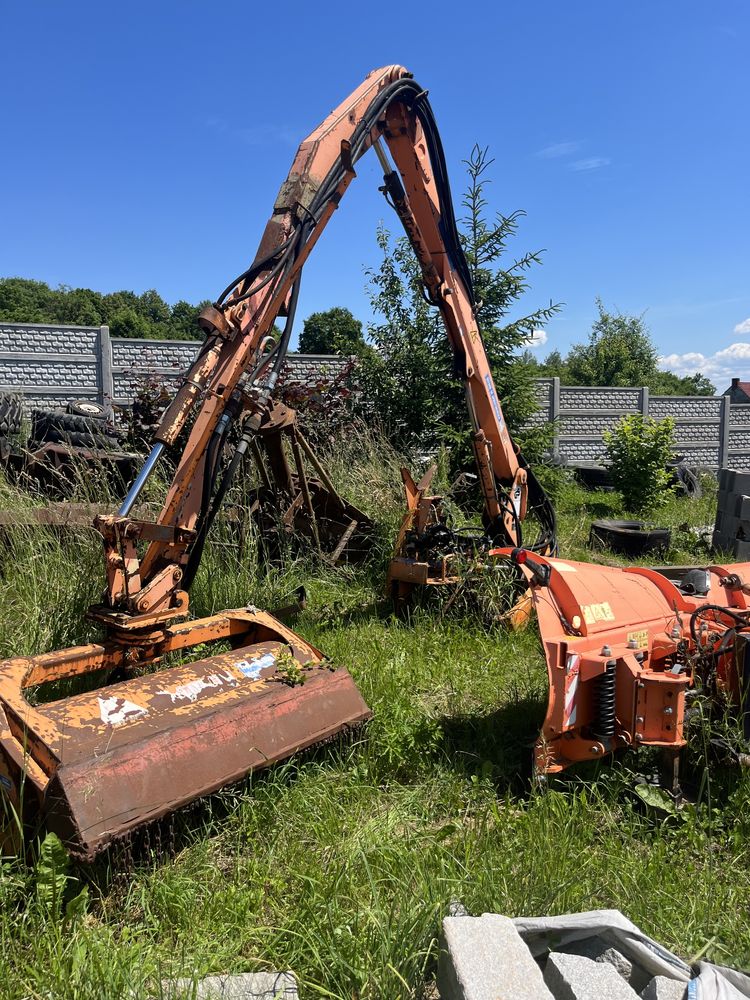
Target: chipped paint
point(190, 690)
point(253, 668)
point(116, 711)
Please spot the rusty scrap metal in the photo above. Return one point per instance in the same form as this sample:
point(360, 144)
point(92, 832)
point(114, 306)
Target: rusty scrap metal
point(299, 504)
point(97, 765)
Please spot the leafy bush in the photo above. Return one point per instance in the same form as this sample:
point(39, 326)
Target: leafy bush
point(639, 449)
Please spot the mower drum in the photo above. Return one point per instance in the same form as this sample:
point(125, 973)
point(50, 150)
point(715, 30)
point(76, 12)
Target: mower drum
point(95, 766)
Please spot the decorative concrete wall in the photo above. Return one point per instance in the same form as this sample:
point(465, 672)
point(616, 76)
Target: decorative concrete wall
point(48, 365)
point(52, 364)
point(709, 430)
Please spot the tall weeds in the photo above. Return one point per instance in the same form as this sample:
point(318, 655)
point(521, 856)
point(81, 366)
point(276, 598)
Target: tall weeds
point(340, 864)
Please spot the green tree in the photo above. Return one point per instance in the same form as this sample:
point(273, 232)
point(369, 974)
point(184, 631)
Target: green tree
point(404, 381)
point(184, 320)
point(126, 322)
point(154, 309)
point(23, 300)
point(79, 307)
point(334, 331)
point(554, 366)
point(669, 384)
point(620, 351)
point(409, 380)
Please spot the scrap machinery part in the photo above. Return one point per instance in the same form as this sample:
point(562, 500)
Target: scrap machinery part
point(97, 765)
point(624, 647)
point(293, 502)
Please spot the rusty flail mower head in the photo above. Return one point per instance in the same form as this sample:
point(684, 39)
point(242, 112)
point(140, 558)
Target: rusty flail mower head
point(98, 765)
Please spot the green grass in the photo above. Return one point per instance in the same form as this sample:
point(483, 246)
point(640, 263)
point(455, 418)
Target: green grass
point(340, 865)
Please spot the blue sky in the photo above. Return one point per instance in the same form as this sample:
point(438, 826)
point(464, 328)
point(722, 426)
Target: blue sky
point(145, 144)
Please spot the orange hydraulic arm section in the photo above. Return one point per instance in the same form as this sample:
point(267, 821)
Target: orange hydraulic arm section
point(236, 371)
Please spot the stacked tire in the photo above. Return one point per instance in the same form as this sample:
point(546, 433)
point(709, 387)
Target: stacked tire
point(80, 425)
point(10, 415)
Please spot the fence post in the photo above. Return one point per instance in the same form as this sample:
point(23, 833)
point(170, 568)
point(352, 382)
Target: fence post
point(554, 416)
point(106, 381)
point(726, 411)
point(644, 400)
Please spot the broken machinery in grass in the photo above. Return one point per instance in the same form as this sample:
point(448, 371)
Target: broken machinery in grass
point(150, 734)
point(628, 649)
point(290, 503)
point(99, 764)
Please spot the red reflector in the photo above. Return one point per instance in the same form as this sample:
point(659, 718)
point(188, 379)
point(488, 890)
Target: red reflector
point(521, 556)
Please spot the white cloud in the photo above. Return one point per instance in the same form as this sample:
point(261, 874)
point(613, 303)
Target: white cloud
point(538, 338)
point(721, 367)
point(743, 327)
point(558, 149)
point(592, 163)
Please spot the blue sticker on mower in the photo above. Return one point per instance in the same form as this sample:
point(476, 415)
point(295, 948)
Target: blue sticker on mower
point(5, 783)
point(493, 400)
point(252, 668)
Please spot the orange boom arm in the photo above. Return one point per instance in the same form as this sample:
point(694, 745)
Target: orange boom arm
point(237, 369)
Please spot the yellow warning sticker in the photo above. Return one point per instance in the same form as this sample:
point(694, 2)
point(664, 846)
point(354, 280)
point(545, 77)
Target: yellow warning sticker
point(640, 638)
point(597, 613)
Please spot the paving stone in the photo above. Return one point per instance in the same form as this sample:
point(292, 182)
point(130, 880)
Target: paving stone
point(664, 988)
point(596, 949)
point(245, 986)
point(484, 958)
point(573, 977)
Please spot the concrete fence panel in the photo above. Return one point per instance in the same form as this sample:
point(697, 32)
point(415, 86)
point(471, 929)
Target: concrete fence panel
point(48, 365)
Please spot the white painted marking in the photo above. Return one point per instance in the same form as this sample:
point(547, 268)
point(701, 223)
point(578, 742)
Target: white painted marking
point(115, 711)
point(252, 668)
point(190, 690)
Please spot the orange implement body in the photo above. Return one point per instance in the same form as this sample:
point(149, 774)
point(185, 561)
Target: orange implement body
point(100, 764)
point(625, 646)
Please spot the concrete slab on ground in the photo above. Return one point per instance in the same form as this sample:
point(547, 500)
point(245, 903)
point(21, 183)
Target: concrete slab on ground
point(574, 977)
point(484, 958)
point(244, 986)
point(663, 988)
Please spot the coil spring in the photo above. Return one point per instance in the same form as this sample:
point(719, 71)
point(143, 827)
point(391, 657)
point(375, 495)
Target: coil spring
point(604, 727)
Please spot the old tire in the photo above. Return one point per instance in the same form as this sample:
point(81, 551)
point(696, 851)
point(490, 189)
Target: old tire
point(10, 414)
point(69, 428)
point(87, 408)
point(688, 482)
point(630, 538)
